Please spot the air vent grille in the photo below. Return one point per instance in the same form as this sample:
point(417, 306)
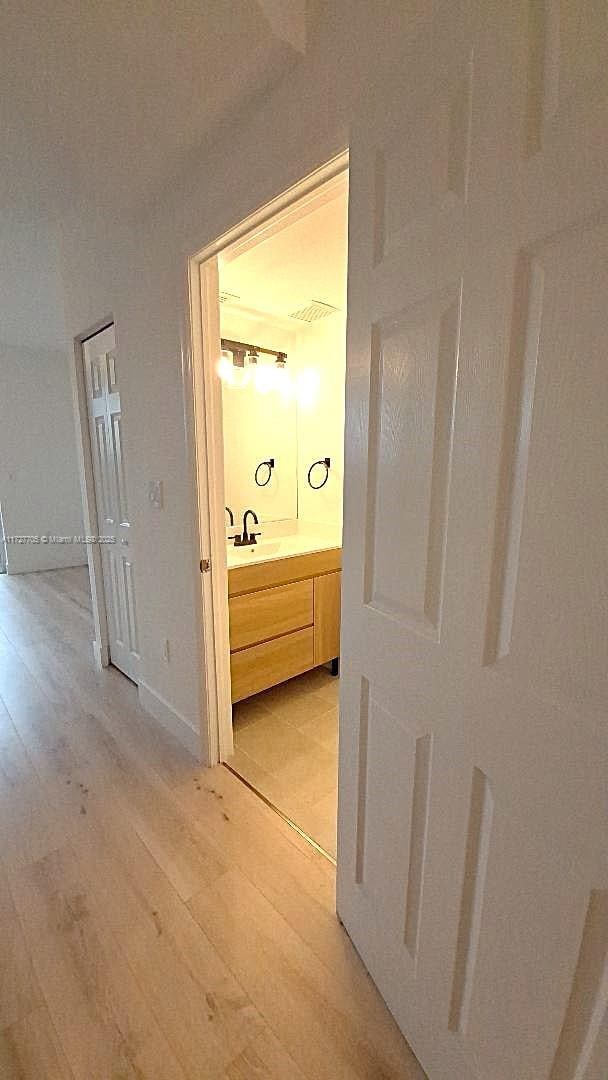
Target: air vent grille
point(313, 312)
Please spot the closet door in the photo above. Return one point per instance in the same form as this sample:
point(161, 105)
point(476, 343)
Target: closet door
point(105, 423)
point(473, 744)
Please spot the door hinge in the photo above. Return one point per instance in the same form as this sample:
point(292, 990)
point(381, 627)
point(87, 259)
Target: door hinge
point(205, 566)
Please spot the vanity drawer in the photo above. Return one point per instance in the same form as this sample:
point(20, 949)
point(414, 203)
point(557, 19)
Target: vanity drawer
point(258, 616)
point(261, 575)
point(260, 666)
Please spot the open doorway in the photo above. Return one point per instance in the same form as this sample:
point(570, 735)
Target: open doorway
point(274, 353)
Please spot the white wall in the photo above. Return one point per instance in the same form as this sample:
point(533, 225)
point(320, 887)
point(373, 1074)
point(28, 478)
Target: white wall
point(258, 427)
point(138, 275)
point(309, 428)
point(31, 295)
point(39, 486)
point(321, 350)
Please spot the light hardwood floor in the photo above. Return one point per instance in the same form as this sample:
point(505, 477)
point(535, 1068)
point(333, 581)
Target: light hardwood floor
point(286, 745)
point(156, 919)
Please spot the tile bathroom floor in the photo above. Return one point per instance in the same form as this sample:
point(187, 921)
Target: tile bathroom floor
point(286, 746)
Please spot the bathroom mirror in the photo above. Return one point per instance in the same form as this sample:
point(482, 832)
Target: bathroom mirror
point(260, 451)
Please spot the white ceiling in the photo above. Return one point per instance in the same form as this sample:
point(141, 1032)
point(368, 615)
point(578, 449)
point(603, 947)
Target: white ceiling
point(302, 261)
point(103, 101)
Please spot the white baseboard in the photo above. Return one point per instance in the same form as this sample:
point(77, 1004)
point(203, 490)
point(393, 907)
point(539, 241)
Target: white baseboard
point(100, 655)
point(30, 558)
point(170, 719)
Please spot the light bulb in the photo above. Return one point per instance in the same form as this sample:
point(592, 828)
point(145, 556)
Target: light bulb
point(225, 368)
point(232, 370)
point(264, 378)
point(241, 376)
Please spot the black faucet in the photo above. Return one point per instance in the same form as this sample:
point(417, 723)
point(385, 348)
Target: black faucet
point(251, 537)
point(246, 538)
point(230, 515)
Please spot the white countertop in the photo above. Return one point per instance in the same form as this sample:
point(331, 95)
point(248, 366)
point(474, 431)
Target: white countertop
point(279, 547)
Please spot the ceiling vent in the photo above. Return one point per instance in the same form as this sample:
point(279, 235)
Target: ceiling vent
point(313, 312)
point(229, 298)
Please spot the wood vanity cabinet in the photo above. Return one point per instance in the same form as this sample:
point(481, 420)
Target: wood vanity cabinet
point(284, 619)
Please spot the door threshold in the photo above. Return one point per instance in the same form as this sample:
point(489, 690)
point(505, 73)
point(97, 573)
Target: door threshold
point(283, 816)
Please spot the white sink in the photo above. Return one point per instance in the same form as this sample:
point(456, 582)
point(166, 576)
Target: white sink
point(262, 549)
point(279, 547)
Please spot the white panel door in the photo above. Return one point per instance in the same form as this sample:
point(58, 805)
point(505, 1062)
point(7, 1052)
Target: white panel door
point(111, 496)
point(473, 820)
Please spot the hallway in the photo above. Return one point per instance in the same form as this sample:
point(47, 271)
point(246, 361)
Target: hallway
point(156, 919)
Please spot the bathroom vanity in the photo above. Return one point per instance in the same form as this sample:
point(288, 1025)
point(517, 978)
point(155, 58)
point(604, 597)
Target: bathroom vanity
point(282, 384)
point(284, 613)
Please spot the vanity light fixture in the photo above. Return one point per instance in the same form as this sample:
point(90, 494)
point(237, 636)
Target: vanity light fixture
point(241, 371)
point(232, 369)
point(224, 365)
point(241, 361)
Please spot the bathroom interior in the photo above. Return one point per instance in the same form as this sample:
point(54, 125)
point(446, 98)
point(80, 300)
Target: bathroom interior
point(282, 376)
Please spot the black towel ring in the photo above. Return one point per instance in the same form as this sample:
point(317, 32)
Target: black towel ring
point(270, 465)
point(322, 461)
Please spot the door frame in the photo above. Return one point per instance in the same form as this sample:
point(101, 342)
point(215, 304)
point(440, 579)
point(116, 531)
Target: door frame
point(3, 556)
point(101, 641)
point(206, 453)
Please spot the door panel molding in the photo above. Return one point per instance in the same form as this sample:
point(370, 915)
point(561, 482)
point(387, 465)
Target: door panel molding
point(472, 810)
point(111, 567)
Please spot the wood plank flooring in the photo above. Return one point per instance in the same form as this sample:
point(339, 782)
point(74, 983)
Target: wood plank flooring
point(157, 920)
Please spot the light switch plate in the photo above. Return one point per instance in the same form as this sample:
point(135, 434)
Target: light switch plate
point(155, 494)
